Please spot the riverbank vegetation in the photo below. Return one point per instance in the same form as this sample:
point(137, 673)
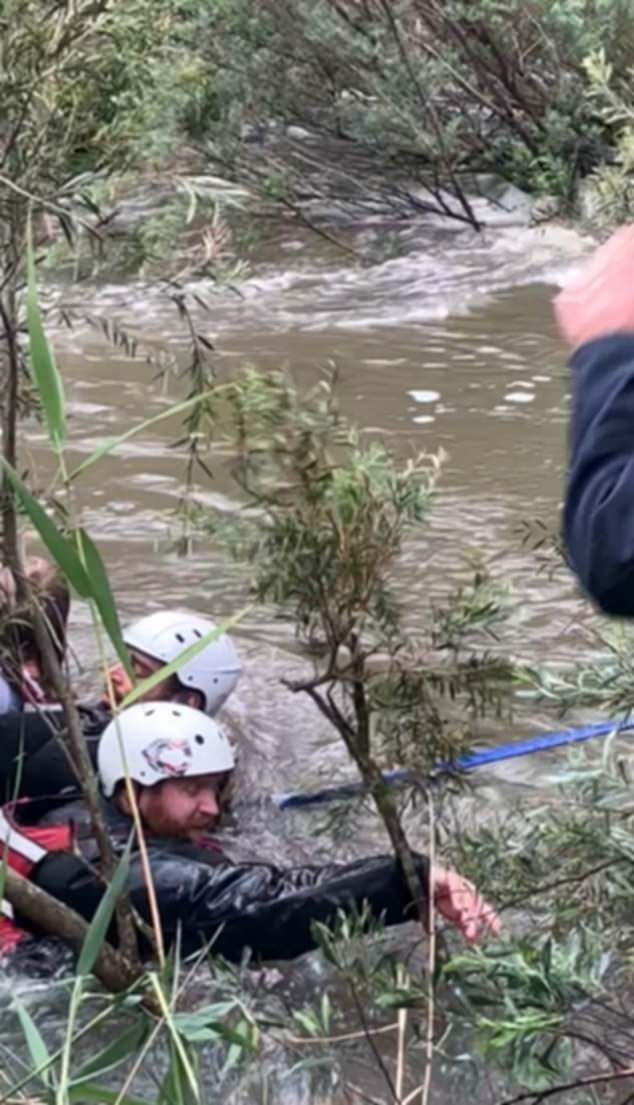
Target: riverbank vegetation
point(224, 114)
point(399, 109)
point(326, 110)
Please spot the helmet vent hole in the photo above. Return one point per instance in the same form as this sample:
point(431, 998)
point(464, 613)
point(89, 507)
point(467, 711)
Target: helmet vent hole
point(179, 637)
point(176, 713)
point(199, 739)
point(215, 678)
point(197, 633)
point(148, 713)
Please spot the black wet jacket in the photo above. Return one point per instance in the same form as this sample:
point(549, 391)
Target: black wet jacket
point(259, 906)
point(599, 510)
point(33, 763)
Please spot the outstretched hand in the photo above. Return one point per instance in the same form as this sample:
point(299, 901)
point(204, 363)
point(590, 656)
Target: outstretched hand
point(458, 901)
point(120, 682)
point(600, 299)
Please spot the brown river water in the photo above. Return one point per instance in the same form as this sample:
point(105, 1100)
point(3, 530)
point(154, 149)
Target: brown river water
point(450, 345)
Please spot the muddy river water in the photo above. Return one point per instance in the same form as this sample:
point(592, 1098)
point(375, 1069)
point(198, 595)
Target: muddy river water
point(452, 345)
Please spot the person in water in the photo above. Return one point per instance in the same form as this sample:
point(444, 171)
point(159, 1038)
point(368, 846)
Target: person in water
point(33, 762)
point(595, 313)
point(180, 764)
point(22, 678)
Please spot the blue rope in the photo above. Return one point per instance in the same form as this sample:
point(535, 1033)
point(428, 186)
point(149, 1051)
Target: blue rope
point(297, 799)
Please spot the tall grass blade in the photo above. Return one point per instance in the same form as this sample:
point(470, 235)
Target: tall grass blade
point(177, 1087)
point(181, 1082)
point(101, 592)
point(38, 1050)
point(47, 377)
point(187, 654)
point(98, 927)
point(123, 1047)
point(61, 549)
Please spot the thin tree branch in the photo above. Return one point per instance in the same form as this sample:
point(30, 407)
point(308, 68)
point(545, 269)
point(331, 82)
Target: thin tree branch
point(593, 1080)
point(45, 912)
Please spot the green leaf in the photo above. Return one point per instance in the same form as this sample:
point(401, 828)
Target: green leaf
point(247, 1036)
point(47, 377)
point(38, 1050)
point(308, 1021)
point(63, 552)
point(188, 654)
point(180, 1085)
point(98, 928)
point(120, 1049)
point(315, 1062)
point(101, 592)
point(325, 1012)
point(181, 1082)
point(205, 1024)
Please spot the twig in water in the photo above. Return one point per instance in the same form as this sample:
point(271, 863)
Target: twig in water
point(512, 903)
point(369, 1037)
point(431, 959)
point(364, 1095)
point(345, 1037)
point(593, 1080)
point(400, 1054)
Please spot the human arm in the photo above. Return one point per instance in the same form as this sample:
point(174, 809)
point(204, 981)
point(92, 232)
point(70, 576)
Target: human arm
point(28, 747)
point(595, 313)
point(599, 506)
point(33, 759)
point(265, 908)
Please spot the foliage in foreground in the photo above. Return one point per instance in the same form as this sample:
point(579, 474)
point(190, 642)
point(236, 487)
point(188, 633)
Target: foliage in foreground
point(546, 1006)
point(332, 516)
point(335, 515)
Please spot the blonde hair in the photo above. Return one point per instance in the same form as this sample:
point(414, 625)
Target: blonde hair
point(52, 594)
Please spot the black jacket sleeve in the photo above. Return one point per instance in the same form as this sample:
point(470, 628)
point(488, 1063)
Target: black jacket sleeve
point(267, 909)
point(26, 739)
point(33, 763)
point(599, 508)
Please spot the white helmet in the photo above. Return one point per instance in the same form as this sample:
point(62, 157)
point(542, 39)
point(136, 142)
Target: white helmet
point(160, 740)
point(164, 635)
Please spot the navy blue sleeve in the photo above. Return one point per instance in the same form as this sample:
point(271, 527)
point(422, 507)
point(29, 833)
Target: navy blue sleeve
point(599, 508)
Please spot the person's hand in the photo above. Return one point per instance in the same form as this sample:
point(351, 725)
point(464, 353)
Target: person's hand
point(120, 682)
point(458, 901)
point(600, 300)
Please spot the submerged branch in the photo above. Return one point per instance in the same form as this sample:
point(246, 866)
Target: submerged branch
point(593, 1080)
point(112, 968)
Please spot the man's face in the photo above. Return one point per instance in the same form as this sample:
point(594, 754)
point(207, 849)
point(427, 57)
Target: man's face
point(186, 808)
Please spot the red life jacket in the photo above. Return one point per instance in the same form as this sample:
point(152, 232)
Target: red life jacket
point(21, 847)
